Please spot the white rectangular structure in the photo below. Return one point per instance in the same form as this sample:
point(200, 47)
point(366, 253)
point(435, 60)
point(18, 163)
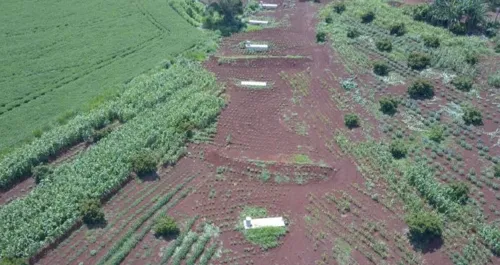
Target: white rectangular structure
point(253, 83)
point(250, 223)
point(256, 47)
point(268, 6)
point(258, 22)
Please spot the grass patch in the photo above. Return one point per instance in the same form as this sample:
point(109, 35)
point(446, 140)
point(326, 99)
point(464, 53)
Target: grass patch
point(302, 159)
point(266, 237)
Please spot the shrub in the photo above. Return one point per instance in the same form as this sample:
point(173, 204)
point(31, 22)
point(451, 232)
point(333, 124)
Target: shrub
point(339, 7)
point(91, 212)
point(422, 12)
point(353, 33)
point(41, 172)
point(388, 105)
point(398, 29)
point(472, 115)
point(462, 83)
point(496, 170)
point(380, 68)
point(329, 20)
point(13, 261)
point(458, 29)
point(436, 134)
point(421, 89)
point(321, 36)
point(497, 48)
point(494, 80)
point(431, 41)
point(398, 149)
point(424, 226)
point(471, 58)
point(459, 192)
point(144, 163)
point(384, 45)
point(367, 17)
point(351, 120)
point(418, 60)
point(166, 227)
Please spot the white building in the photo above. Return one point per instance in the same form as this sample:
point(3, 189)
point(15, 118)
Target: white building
point(250, 223)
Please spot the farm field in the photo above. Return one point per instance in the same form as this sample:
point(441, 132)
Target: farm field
point(59, 57)
point(349, 193)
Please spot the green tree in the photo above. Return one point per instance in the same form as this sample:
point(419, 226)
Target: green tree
point(388, 105)
point(384, 45)
point(421, 89)
point(351, 120)
point(424, 226)
point(144, 163)
point(436, 134)
point(472, 115)
point(419, 60)
point(459, 192)
point(91, 211)
point(380, 68)
point(398, 149)
point(166, 227)
point(224, 16)
point(463, 83)
point(41, 172)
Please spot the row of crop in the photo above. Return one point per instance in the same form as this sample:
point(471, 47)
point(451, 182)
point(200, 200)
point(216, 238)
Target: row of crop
point(122, 247)
point(142, 93)
point(169, 251)
point(191, 11)
point(51, 209)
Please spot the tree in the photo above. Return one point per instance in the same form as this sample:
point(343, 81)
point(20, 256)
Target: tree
point(459, 192)
point(166, 227)
point(339, 7)
point(447, 11)
point(494, 5)
point(367, 17)
point(91, 211)
point(421, 89)
point(380, 68)
point(41, 172)
point(384, 45)
point(462, 83)
point(472, 115)
point(424, 226)
point(224, 16)
point(436, 134)
point(452, 11)
point(398, 29)
point(351, 120)
point(388, 105)
point(144, 163)
point(418, 60)
point(398, 149)
point(431, 41)
point(321, 36)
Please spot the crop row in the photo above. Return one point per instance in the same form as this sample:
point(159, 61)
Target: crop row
point(51, 209)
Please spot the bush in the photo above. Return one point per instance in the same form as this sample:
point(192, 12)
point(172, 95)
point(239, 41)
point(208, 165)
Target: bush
point(329, 20)
point(398, 149)
point(13, 261)
point(424, 226)
point(462, 83)
point(496, 170)
point(494, 80)
point(398, 29)
point(91, 212)
point(380, 68)
point(459, 192)
point(497, 48)
point(458, 29)
point(419, 60)
point(422, 12)
point(421, 89)
point(472, 116)
point(367, 17)
point(353, 33)
point(339, 7)
point(431, 41)
point(41, 172)
point(384, 45)
point(351, 120)
point(166, 227)
point(436, 134)
point(144, 163)
point(471, 58)
point(388, 105)
point(321, 36)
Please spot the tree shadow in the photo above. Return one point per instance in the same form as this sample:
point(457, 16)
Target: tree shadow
point(99, 225)
point(427, 247)
point(153, 176)
point(167, 237)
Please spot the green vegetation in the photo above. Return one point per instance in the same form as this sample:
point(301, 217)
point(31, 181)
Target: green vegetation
point(384, 45)
point(494, 80)
point(496, 170)
point(419, 60)
point(353, 33)
point(339, 7)
point(368, 16)
point(436, 134)
point(62, 57)
point(398, 149)
point(424, 226)
point(321, 36)
point(398, 29)
point(431, 41)
point(421, 89)
point(388, 105)
point(41, 172)
point(144, 163)
point(351, 120)
point(459, 192)
point(266, 237)
point(188, 95)
point(472, 115)
point(166, 227)
point(12, 261)
point(302, 159)
point(224, 16)
point(380, 68)
point(92, 212)
point(462, 83)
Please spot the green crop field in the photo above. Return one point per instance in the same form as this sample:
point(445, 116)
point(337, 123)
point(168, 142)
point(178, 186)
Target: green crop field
point(57, 57)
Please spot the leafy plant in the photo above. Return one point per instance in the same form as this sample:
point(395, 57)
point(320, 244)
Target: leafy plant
point(471, 58)
point(421, 89)
point(144, 163)
point(463, 83)
point(431, 41)
point(458, 29)
point(398, 149)
point(321, 36)
point(472, 115)
point(41, 172)
point(351, 120)
point(384, 45)
point(367, 17)
point(13, 261)
point(380, 68)
point(459, 192)
point(419, 60)
point(494, 80)
point(398, 29)
point(496, 170)
point(424, 226)
point(166, 227)
point(353, 33)
point(92, 212)
point(436, 134)
point(421, 12)
point(339, 7)
point(388, 105)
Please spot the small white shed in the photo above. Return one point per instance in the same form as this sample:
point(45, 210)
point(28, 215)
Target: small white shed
point(250, 223)
point(253, 83)
point(268, 6)
point(256, 47)
point(258, 22)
